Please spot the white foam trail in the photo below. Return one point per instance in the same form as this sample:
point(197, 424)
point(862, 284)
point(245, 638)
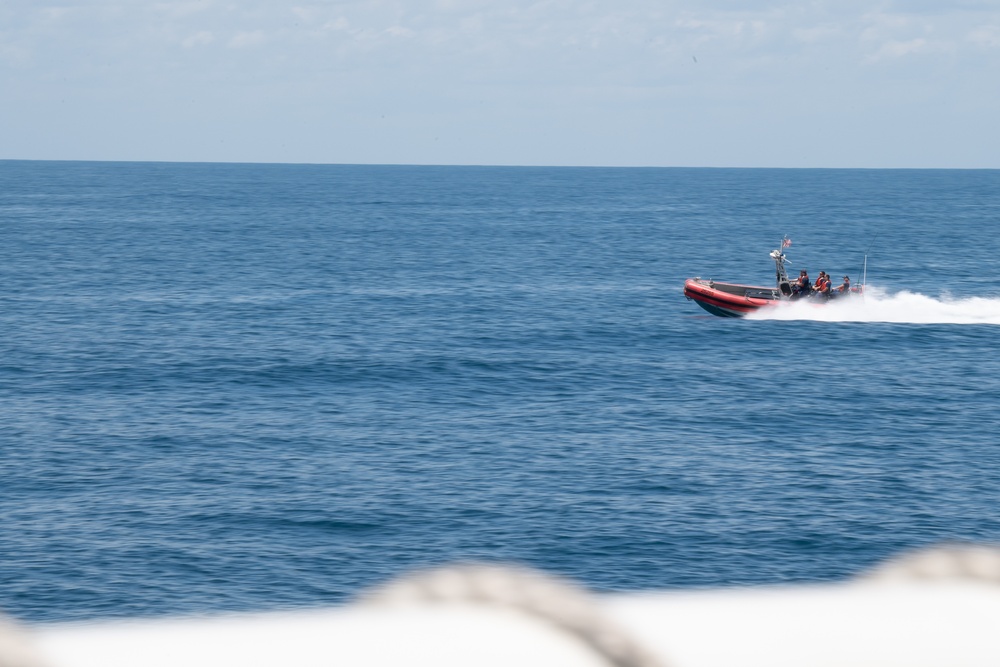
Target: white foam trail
point(900, 307)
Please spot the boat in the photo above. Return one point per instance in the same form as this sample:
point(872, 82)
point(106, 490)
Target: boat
point(736, 300)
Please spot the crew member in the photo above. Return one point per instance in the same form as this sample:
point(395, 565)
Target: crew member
point(801, 286)
point(822, 286)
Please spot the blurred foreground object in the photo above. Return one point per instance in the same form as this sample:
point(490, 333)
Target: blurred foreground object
point(15, 648)
point(939, 607)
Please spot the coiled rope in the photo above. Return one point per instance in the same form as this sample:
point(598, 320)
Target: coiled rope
point(950, 562)
point(548, 599)
point(571, 610)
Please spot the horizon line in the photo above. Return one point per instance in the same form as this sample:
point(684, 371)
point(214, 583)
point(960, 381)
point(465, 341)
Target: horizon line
point(486, 166)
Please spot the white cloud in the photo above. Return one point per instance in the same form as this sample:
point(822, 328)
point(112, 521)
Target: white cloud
point(247, 39)
point(816, 34)
point(199, 38)
point(13, 55)
point(988, 36)
point(537, 60)
point(398, 31)
point(183, 8)
point(896, 49)
point(899, 49)
point(55, 13)
point(306, 15)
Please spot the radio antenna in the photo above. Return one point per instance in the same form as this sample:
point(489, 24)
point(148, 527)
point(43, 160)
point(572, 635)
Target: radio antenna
point(864, 271)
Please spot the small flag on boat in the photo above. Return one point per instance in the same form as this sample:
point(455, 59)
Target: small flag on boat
point(786, 243)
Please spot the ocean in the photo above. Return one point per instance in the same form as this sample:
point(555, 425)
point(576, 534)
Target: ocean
point(256, 387)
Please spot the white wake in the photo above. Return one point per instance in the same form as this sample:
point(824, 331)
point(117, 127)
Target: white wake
point(879, 306)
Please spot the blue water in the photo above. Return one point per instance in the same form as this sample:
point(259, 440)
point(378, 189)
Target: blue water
point(250, 387)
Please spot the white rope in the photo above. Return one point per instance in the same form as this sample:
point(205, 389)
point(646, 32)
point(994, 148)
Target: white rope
point(553, 601)
point(967, 562)
point(14, 648)
point(578, 616)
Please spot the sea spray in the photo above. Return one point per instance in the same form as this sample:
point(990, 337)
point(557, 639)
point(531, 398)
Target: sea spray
point(903, 307)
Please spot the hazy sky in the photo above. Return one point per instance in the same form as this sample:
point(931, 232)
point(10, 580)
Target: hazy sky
point(835, 83)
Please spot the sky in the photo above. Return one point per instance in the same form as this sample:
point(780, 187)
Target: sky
point(718, 83)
